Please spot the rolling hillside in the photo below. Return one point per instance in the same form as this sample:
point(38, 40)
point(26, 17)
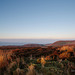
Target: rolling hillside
point(62, 43)
point(33, 45)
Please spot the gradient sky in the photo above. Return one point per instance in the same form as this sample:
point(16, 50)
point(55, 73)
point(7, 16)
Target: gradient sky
point(37, 19)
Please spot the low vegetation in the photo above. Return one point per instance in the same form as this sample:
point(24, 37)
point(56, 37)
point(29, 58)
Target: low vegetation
point(37, 60)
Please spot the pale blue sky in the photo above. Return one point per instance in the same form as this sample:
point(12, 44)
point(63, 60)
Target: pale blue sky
point(37, 19)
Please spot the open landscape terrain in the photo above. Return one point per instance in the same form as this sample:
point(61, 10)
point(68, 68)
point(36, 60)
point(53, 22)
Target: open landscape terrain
point(38, 59)
point(37, 37)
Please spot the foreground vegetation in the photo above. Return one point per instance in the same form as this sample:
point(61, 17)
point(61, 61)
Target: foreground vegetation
point(36, 61)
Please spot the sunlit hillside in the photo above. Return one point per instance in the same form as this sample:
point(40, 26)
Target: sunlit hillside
point(43, 60)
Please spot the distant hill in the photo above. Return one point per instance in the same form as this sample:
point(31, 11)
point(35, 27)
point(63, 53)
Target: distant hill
point(62, 43)
point(33, 45)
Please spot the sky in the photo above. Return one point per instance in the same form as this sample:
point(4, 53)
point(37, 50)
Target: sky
point(37, 19)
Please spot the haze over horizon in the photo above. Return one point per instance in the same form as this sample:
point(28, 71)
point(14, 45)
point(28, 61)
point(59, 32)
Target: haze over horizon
point(37, 19)
point(32, 41)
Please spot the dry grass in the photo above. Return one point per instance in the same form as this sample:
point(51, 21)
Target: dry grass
point(43, 61)
point(31, 70)
point(4, 56)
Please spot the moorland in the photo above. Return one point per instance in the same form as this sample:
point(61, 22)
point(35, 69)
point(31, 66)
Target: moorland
point(57, 58)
